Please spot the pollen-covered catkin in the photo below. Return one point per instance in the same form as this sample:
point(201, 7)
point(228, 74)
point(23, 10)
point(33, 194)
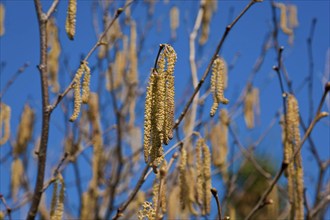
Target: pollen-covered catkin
point(5, 113)
point(2, 19)
point(283, 19)
point(86, 83)
point(25, 130)
point(57, 207)
point(76, 91)
point(147, 212)
point(70, 23)
point(218, 80)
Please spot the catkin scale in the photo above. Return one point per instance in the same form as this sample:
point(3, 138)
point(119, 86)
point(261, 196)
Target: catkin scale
point(70, 23)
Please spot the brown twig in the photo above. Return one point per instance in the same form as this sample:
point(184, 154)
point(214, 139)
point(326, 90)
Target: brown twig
point(42, 20)
point(216, 197)
point(205, 74)
point(8, 209)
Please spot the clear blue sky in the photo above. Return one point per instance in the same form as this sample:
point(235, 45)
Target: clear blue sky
point(20, 44)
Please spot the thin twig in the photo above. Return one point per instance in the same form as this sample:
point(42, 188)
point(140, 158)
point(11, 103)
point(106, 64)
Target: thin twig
point(216, 197)
point(8, 209)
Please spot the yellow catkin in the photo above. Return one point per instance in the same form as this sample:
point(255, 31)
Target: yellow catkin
point(53, 54)
point(132, 77)
point(219, 71)
point(295, 169)
point(283, 19)
point(17, 172)
point(174, 20)
point(2, 19)
point(293, 16)
point(147, 212)
point(207, 179)
point(76, 92)
point(251, 106)
point(182, 179)
point(199, 166)
point(70, 23)
point(25, 130)
point(5, 114)
point(86, 83)
point(206, 19)
point(57, 204)
point(160, 103)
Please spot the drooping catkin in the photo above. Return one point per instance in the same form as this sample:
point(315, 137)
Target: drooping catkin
point(218, 84)
point(251, 106)
point(57, 205)
point(83, 68)
point(53, 54)
point(147, 212)
point(174, 20)
point(2, 19)
point(17, 172)
point(132, 77)
point(293, 16)
point(5, 114)
point(182, 179)
point(159, 106)
point(209, 8)
point(203, 164)
point(25, 130)
point(70, 23)
point(86, 83)
point(283, 19)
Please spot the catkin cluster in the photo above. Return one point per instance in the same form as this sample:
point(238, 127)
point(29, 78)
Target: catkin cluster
point(251, 106)
point(78, 98)
point(53, 54)
point(288, 19)
point(70, 23)
point(203, 164)
point(57, 204)
point(2, 19)
point(5, 113)
point(218, 83)
point(159, 106)
point(147, 212)
point(295, 168)
point(25, 130)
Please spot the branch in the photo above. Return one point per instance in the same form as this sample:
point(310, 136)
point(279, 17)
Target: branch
point(222, 40)
point(8, 209)
point(216, 197)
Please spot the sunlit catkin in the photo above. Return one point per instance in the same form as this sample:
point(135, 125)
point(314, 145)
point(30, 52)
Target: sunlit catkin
point(57, 205)
point(5, 113)
point(70, 23)
point(182, 179)
point(174, 20)
point(147, 212)
point(218, 84)
point(25, 130)
point(53, 54)
point(17, 172)
point(293, 16)
point(283, 19)
point(2, 19)
point(206, 19)
point(86, 83)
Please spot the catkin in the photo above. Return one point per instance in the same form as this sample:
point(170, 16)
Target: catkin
point(159, 106)
point(174, 20)
point(86, 83)
point(132, 77)
point(57, 205)
point(2, 19)
point(78, 99)
point(218, 84)
point(283, 19)
point(25, 130)
point(293, 16)
point(251, 106)
point(5, 114)
point(70, 23)
point(206, 19)
point(147, 212)
point(182, 179)
point(53, 54)
point(17, 172)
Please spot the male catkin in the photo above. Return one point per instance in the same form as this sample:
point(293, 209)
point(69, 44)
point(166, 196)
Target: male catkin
point(5, 123)
point(70, 23)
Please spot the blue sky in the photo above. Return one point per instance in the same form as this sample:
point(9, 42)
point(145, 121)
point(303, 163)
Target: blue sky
point(20, 44)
